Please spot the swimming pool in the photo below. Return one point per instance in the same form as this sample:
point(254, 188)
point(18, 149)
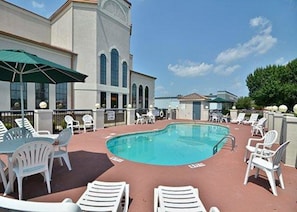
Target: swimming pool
point(177, 144)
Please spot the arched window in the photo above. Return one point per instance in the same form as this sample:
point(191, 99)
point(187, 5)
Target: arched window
point(146, 97)
point(114, 67)
point(125, 72)
point(102, 69)
point(134, 91)
point(140, 97)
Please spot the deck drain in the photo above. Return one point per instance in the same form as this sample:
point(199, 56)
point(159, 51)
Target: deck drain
point(196, 165)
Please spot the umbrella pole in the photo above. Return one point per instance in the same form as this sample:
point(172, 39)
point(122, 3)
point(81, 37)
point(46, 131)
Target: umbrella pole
point(22, 102)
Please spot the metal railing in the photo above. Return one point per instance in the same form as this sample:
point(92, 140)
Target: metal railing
point(8, 117)
point(215, 148)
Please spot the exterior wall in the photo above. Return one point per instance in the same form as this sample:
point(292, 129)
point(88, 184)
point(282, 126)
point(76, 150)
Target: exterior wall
point(185, 110)
point(144, 80)
point(21, 22)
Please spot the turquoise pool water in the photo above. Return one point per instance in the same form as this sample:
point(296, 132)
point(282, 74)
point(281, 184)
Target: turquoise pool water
point(177, 144)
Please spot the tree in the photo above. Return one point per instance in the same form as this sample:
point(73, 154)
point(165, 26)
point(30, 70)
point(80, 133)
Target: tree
point(244, 103)
point(274, 85)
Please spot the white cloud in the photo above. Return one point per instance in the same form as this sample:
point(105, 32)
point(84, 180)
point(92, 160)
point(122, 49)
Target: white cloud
point(258, 44)
point(225, 70)
point(36, 4)
point(190, 69)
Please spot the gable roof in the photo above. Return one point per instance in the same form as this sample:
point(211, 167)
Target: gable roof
point(193, 96)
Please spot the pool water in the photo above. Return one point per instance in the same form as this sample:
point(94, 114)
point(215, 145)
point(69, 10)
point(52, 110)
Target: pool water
point(177, 144)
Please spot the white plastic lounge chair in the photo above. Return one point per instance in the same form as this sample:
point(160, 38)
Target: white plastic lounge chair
point(253, 118)
point(61, 147)
point(259, 127)
point(140, 119)
point(71, 123)
point(262, 144)
point(3, 178)
point(3, 129)
point(9, 204)
point(269, 164)
point(105, 196)
point(239, 119)
point(88, 122)
point(16, 133)
point(30, 159)
point(39, 133)
point(181, 198)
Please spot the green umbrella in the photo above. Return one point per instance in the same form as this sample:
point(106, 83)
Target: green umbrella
point(218, 100)
point(21, 66)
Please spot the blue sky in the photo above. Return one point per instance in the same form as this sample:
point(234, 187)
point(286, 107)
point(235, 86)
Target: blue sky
point(204, 46)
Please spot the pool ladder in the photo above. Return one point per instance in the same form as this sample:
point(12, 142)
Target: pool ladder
point(231, 137)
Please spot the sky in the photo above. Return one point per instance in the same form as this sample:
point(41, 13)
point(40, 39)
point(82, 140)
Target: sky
point(203, 46)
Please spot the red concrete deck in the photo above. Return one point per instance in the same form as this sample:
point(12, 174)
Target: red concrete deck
point(220, 182)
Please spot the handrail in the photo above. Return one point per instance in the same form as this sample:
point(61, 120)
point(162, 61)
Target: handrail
point(215, 148)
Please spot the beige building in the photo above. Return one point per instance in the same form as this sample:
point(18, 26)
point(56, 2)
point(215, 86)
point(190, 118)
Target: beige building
point(90, 36)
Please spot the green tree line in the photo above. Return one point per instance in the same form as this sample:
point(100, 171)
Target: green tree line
point(274, 85)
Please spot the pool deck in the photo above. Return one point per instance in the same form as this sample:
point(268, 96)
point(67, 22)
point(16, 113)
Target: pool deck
point(220, 181)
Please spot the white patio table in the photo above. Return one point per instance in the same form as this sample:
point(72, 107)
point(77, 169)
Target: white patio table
point(8, 147)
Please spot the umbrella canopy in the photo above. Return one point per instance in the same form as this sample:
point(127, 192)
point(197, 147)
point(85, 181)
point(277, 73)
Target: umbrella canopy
point(21, 66)
point(218, 100)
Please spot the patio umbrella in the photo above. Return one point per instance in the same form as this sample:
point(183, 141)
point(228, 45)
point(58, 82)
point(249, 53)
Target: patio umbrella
point(21, 66)
point(218, 100)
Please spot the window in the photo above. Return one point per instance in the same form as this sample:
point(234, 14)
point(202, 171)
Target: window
point(124, 101)
point(15, 93)
point(41, 94)
point(140, 97)
point(103, 99)
point(114, 67)
point(134, 91)
point(125, 72)
point(114, 100)
point(61, 96)
point(146, 97)
point(103, 69)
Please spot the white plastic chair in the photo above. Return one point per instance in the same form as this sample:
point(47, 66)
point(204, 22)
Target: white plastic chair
point(269, 164)
point(151, 117)
point(17, 133)
point(30, 159)
point(262, 144)
point(253, 118)
point(180, 198)
point(61, 147)
point(3, 174)
point(259, 127)
point(239, 119)
point(3, 130)
point(88, 122)
point(39, 133)
point(140, 119)
point(71, 123)
point(105, 196)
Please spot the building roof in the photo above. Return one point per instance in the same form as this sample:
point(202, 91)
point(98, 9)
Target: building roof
point(193, 96)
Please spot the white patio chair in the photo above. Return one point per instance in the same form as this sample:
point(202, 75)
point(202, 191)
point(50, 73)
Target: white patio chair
point(17, 133)
point(262, 144)
point(3, 129)
point(140, 119)
point(88, 122)
point(151, 117)
point(105, 196)
point(61, 147)
point(239, 119)
point(72, 124)
point(39, 133)
point(253, 118)
point(181, 198)
point(269, 164)
point(3, 178)
point(30, 159)
point(259, 127)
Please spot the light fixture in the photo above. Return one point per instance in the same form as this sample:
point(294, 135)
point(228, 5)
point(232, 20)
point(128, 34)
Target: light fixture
point(43, 105)
point(282, 108)
point(295, 109)
point(97, 105)
point(129, 106)
point(274, 108)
